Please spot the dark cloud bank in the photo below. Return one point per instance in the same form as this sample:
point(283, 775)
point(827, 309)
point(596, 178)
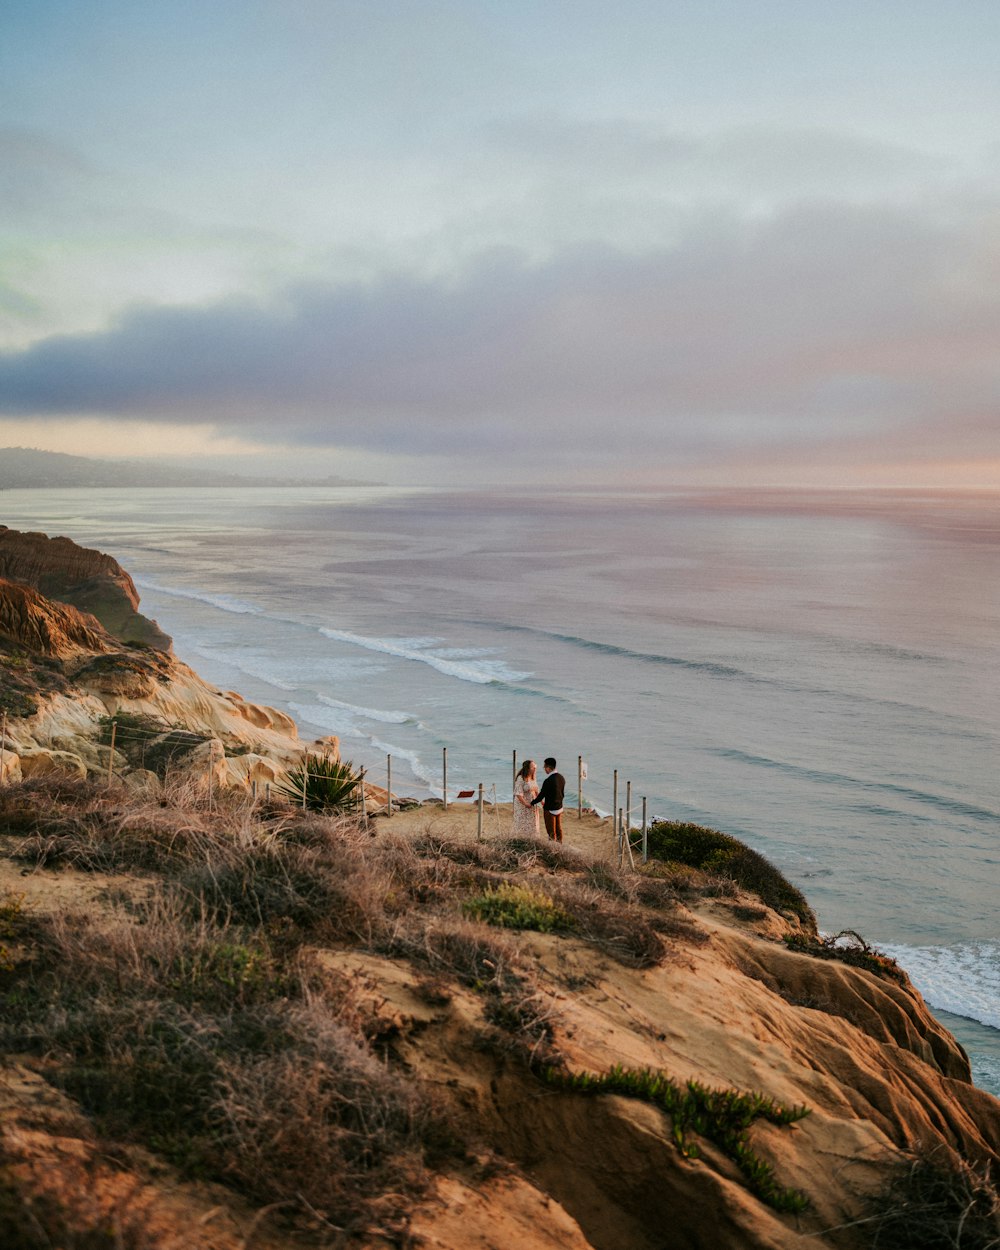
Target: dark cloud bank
point(823, 323)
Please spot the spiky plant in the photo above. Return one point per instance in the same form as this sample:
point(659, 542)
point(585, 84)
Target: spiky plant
point(328, 784)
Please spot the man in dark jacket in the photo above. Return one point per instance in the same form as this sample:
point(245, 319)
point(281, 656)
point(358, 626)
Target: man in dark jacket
point(551, 797)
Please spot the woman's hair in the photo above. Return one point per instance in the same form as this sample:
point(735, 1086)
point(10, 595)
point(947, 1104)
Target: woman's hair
point(526, 768)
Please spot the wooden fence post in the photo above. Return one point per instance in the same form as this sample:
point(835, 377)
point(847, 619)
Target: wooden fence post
point(645, 833)
point(111, 752)
point(444, 776)
point(479, 822)
point(614, 814)
point(388, 785)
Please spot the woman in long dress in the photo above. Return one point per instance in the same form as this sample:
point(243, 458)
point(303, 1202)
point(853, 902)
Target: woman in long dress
point(525, 789)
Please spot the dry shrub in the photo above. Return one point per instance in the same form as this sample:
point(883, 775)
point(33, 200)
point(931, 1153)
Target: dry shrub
point(32, 1217)
point(504, 855)
point(53, 807)
point(105, 829)
point(157, 949)
point(326, 1126)
point(624, 930)
point(486, 962)
point(933, 1204)
point(192, 1039)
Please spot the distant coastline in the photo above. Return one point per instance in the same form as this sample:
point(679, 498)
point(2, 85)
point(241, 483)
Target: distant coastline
point(24, 468)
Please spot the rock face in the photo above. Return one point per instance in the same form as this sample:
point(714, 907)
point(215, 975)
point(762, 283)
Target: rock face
point(89, 580)
point(46, 628)
point(659, 978)
point(64, 668)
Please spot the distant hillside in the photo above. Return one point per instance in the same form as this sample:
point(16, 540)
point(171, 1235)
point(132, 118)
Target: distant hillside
point(25, 468)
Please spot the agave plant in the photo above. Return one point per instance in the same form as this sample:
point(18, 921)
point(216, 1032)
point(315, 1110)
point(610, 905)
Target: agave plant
point(326, 782)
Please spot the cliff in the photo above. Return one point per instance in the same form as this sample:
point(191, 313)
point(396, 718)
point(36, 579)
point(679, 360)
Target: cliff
point(66, 673)
point(334, 1043)
point(89, 580)
point(226, 1022)
point(49, 629)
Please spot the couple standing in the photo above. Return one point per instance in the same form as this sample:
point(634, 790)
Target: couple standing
point(527, 796)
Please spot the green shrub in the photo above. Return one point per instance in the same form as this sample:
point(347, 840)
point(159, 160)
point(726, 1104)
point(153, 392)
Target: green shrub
point(225, 973)
point(724, 1116)
point(330, 784)
point(147, 742)
point(850, 948)
point(722, 855)
point(518, 907)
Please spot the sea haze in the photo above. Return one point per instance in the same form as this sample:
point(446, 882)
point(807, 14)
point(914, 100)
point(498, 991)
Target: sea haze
point(813, 673)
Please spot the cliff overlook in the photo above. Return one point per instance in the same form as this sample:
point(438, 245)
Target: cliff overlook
point(226, 1022)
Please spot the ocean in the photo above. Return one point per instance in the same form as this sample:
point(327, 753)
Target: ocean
point(814, 673)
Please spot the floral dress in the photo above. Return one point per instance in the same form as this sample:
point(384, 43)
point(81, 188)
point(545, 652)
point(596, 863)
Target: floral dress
point(525, 818)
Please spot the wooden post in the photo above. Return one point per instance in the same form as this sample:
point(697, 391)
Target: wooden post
point(479, 822)
point(579, 787)
point(614, 812)
point(627, 848)
point(388, 785)
point(513, 777)
point(3, 748)
point(444, 776)
point(628, 809)
point(645, 833)
point(111, 752)
point(621, 840)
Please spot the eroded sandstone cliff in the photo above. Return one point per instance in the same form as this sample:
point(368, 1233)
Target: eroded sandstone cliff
point(221, 1018)
point(89, 580)
point(65, 672)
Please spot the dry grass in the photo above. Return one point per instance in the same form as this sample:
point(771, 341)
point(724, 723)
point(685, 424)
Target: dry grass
point(194, 1022)
point(32, 1217)
point(326, 1124)
point(934, 1204)
point(488, 962)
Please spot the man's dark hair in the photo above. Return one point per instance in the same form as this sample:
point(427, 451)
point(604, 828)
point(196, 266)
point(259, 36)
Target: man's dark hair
point(550, 762)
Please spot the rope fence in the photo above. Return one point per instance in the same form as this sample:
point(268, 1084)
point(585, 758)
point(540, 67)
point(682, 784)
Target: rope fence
point(630, 839)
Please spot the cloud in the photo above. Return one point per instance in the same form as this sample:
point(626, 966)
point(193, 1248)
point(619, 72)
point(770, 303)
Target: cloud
point(823, 323)
point(767, 163)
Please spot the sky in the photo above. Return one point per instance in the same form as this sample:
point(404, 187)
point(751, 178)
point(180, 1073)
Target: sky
point(745, 242)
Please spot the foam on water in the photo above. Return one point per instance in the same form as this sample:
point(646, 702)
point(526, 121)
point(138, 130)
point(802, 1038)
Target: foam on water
point(226, 603)
point(417, 766)
point(264, 672)
point(963, 979)
point(369, 713)
point(482, 672)
point(271, 668)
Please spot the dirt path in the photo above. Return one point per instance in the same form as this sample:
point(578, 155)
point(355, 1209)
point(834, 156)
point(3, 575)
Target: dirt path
point(592, 834)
